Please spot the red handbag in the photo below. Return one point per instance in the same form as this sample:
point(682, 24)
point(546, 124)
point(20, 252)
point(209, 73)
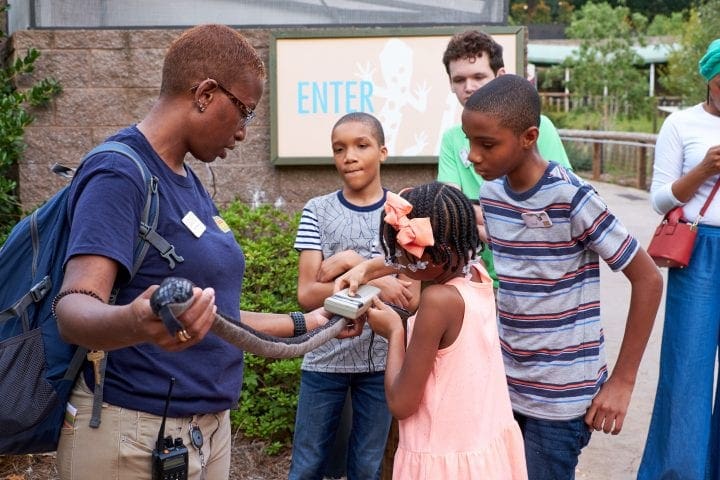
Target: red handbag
point(674, 238)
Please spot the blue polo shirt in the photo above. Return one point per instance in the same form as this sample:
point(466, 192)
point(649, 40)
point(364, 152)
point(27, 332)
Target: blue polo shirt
point(106, 202)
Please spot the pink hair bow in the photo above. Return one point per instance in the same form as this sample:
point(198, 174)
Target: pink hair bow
point(414, 234)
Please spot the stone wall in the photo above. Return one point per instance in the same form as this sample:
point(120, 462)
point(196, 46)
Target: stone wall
point(110, 78)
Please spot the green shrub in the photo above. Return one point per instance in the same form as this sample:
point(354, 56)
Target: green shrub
point(15, 115)
point(269, 396)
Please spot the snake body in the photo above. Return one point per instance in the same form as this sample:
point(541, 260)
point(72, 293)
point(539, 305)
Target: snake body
point(175, 295)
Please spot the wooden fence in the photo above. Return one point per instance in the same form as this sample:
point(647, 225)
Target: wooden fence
point(567, 102)
point(617, 157)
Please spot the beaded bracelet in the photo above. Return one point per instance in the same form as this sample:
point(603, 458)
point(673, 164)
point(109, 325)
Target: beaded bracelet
point(70, 291)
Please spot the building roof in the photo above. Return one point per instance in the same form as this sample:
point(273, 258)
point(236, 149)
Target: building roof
point(553, 53)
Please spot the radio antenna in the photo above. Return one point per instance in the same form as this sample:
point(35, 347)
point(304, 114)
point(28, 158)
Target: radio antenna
point(161, 433)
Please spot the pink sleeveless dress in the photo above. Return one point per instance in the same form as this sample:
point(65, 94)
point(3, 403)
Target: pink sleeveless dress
point(464, 428)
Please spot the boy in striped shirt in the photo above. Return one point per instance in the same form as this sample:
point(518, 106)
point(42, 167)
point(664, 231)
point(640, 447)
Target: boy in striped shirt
point(547, 230)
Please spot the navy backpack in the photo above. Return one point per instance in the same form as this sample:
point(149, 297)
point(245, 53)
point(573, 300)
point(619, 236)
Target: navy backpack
point(37, 368)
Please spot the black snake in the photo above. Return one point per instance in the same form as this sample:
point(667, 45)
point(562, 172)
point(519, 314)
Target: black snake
point(175, 295)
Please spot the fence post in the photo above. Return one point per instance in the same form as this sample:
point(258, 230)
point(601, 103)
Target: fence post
point(642, 168)
point(597, 160)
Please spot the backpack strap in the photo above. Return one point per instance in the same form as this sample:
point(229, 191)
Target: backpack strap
point(147, 236)
point(19, 309)
point(150, 215)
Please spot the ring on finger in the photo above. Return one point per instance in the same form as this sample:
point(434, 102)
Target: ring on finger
point(183, 336)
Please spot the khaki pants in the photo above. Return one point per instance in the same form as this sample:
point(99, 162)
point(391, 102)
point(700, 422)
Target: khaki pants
point(121, 449)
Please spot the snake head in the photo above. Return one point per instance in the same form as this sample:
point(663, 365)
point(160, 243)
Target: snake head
point(173, 297)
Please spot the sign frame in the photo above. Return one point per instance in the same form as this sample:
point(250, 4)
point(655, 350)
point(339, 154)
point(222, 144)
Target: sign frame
point(279, 155)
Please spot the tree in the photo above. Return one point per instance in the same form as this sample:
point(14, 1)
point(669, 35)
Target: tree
point(15, 106)
point(663, 25)
point(649, 8)
point(606, 63)
point(682, 77)
point(524, 12)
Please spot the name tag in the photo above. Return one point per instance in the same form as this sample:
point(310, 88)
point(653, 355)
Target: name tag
point(193, 223)
point(222, 225)
point(536, 219)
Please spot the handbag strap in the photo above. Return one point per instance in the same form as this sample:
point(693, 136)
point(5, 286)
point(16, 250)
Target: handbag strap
point(707, 202)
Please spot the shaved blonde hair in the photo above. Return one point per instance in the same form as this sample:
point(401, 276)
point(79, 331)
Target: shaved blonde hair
point(208, 51)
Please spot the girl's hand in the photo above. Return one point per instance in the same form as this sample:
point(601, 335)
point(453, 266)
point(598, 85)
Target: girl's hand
point(338, 264)
point(383, 319)
point(352, 279)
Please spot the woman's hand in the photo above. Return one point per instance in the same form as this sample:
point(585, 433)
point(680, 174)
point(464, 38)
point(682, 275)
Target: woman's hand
point(353, 328)
point(383, 319)
point(319, 317)
point(196, 320)
point(711, 162)
point(685, 187)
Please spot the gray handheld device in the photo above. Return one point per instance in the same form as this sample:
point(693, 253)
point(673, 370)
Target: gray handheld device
point(340, 303)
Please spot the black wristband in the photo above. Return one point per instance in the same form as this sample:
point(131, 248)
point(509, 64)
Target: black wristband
point(300, 327)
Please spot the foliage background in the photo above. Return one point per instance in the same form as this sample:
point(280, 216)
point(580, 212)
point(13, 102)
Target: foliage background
point(15, 114)
point(702, 26)
point(270, 388)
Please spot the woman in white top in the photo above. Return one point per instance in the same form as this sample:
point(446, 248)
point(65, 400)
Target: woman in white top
point(683, 437)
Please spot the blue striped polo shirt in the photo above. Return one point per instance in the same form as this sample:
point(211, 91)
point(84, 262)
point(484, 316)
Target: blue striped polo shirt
point(549, 294)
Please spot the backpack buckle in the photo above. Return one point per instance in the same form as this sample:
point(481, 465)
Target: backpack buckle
point(41, 289)
point(171, 256)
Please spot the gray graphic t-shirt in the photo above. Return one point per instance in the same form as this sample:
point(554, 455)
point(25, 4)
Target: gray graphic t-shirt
point(331, 224)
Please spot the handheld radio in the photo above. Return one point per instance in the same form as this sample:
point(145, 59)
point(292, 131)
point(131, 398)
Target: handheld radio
point(170, 457)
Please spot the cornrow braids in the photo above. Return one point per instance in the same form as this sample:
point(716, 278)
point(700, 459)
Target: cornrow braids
point(453, 223)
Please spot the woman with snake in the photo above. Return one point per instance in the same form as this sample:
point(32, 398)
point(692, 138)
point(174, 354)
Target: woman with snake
point(212, 80)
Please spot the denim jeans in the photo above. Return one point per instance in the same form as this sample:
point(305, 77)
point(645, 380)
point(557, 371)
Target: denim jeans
point(552, 447)
point(682, 439)
point(320, 404)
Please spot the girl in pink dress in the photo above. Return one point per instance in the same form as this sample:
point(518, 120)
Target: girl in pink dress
point(444, 380)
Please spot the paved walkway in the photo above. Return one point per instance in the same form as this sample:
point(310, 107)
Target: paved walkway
point(617, 457)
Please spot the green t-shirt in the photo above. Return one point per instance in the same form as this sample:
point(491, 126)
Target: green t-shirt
point(454, 166)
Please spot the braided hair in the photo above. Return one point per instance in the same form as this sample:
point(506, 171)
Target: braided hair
point(453, 224)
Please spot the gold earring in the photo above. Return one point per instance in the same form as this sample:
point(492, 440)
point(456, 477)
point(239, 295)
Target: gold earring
point(202, 107)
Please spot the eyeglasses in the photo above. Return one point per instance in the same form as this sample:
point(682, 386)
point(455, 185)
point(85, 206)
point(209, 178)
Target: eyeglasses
point(246, 114)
